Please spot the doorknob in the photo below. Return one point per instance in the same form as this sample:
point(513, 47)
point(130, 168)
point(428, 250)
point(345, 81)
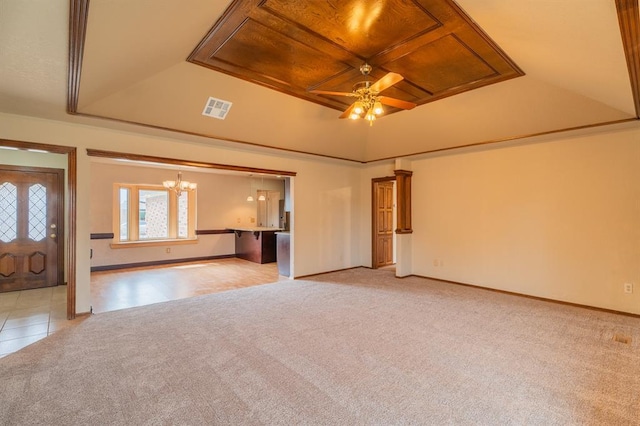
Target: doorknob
point(53, 235)
point(53, 226)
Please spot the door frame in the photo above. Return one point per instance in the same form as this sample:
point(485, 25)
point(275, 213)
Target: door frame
point(71, 209)
point(374, 218)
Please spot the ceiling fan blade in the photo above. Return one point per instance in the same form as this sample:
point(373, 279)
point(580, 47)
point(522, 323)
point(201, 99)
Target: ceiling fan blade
point(324, 92)
point(385, 82)
point(396, 102)
point(347, 112)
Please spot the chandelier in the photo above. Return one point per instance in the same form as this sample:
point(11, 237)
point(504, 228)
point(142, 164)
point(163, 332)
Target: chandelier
point(179, 186)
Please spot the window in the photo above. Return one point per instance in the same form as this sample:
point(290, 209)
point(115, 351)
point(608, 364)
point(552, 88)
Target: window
point(149, 213)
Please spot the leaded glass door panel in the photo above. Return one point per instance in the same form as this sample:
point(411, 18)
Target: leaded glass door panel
point(31, 231)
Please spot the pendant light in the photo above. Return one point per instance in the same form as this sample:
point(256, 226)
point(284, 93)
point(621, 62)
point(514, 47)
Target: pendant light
point(250, 197)
point(262, 197)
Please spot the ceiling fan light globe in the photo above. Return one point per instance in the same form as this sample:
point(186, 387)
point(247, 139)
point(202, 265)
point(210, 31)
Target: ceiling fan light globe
point(377, 108)
point(370, 115)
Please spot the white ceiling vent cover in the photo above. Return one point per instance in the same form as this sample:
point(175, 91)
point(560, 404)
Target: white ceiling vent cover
point(217, 108)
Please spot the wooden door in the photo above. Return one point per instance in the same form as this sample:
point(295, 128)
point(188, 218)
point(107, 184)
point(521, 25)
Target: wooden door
point(31, 227)
point(383, 223)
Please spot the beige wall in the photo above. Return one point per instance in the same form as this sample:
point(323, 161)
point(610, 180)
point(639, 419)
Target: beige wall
point(34, 159)
point(325, 196)
point(556, 219)
point(559, 220)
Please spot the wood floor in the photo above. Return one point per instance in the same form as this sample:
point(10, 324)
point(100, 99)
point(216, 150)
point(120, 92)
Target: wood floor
point(112, 290)
point(30, 315)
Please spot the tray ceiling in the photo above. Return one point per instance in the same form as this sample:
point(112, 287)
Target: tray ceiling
point(295, 47)
point(123, 65)
point(581, 59)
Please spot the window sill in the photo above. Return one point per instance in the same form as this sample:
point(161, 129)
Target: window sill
point(153, 243)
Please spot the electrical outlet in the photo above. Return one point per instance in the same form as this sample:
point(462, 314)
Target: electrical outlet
point(253, 220)
point(168, 250)
point(238, 220)
point(628, 288)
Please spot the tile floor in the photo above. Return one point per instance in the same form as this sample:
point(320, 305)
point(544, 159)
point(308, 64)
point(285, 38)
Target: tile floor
point(30, 315)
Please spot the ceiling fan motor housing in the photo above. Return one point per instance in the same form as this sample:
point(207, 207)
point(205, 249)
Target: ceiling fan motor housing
point(365, 69)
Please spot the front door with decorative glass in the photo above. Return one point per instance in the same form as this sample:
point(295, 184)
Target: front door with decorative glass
point(31, 227)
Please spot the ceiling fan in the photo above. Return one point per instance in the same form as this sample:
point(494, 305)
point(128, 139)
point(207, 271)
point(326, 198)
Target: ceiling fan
point(369, 102)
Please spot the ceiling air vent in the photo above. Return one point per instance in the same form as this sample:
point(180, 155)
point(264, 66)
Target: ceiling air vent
point(217, 108)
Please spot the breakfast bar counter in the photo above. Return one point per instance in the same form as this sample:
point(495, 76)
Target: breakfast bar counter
point(256, 244)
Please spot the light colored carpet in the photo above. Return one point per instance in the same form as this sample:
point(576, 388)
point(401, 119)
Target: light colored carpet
point(353, 347)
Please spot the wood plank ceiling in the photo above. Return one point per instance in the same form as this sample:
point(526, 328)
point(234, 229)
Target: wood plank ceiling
point(294, 47)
